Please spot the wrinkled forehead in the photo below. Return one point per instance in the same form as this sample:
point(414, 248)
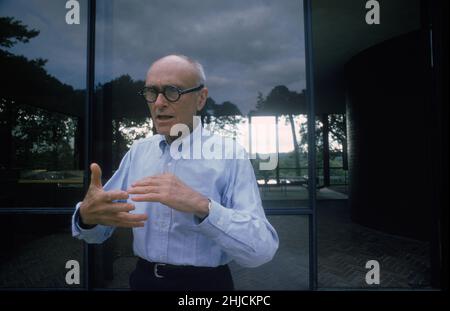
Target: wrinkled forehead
point(171, 70)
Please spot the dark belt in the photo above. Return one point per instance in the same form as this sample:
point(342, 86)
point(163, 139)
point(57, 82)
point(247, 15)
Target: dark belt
point(163, 270)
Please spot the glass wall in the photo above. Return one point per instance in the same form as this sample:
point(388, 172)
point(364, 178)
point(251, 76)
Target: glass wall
point(289, 269)
point(43, 63)
point(371, 210)
point(38, 251)
point(374, 215)
point(253, 54)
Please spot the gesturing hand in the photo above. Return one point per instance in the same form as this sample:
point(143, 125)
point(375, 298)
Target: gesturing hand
point(98, 206)
point(171, 191)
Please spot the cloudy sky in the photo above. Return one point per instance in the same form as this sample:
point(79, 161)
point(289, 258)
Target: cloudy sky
point(245, 46)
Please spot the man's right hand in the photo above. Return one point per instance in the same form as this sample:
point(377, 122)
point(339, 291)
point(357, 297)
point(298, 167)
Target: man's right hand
point(98, 206)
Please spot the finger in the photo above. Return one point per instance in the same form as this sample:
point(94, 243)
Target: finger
point(115, 195)
point(121, 207)
point(149, 181)
point(149, 197)
point(132, 217)
point(96, 176)
point(142, 190)
point(141, 181)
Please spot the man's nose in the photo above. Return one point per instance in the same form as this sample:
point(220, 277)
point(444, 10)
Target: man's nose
point(160, 101)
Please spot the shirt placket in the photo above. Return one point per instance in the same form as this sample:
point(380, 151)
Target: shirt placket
point(166, 212)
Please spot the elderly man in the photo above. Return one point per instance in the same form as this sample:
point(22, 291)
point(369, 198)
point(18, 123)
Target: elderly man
point(190, 217)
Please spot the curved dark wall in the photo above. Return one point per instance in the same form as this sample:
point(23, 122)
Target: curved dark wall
point(387, 135)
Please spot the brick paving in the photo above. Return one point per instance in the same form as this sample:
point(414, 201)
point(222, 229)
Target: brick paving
point(344, 248)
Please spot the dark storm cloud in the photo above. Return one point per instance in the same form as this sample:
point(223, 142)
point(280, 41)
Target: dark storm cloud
point(245, 46)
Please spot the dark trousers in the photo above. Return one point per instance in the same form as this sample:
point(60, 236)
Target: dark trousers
point(149, 276)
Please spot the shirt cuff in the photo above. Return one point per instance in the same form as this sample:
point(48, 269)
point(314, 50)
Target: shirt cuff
point(76, 228)
point(217, 221)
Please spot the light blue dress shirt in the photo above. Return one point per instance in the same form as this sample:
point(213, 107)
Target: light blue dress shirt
point(236, 227)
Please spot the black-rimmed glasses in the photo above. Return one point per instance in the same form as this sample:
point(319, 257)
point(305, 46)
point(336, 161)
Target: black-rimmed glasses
point(170, 92)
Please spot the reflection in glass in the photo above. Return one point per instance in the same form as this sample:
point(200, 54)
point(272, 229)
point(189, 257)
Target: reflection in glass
point(388, 212)
point(41, 105)
point(255, 67)
point(35, 250)
point(289, 269)
point(331, 157)
point(115, 260)
point(254, 59)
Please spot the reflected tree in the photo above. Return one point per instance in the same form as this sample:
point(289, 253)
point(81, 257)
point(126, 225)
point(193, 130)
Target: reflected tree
point(37, 112)
point(282, 101)
point(221, 118)
point(13, 31)
point(43, 140)
point(337, 129)
point(124, 116)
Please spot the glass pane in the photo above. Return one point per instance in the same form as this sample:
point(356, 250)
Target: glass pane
point(255, 74)
point(36, 250)
point(115, 260)
point(286, 186)
point(41, 104)
point(251, 83)
point(289, 269)
point(375, 211)
point(331, 157)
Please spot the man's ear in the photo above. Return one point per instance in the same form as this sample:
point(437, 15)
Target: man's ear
point(202, 98)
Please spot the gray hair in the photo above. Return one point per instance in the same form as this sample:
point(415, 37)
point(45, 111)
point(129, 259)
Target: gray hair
point(198, 67)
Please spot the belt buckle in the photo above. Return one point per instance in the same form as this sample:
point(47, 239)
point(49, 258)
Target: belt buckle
point(155, 270)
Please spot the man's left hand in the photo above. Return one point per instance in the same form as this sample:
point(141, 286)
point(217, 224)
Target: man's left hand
point(171, 191)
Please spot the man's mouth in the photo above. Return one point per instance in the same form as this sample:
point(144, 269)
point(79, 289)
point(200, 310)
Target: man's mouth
point(163, 117)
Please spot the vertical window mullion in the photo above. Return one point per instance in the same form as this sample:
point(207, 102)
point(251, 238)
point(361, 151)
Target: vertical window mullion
point(311, 146)
point(88, 125)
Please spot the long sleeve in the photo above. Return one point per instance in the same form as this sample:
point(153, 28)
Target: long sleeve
point(239, 224)
point(100, 233)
